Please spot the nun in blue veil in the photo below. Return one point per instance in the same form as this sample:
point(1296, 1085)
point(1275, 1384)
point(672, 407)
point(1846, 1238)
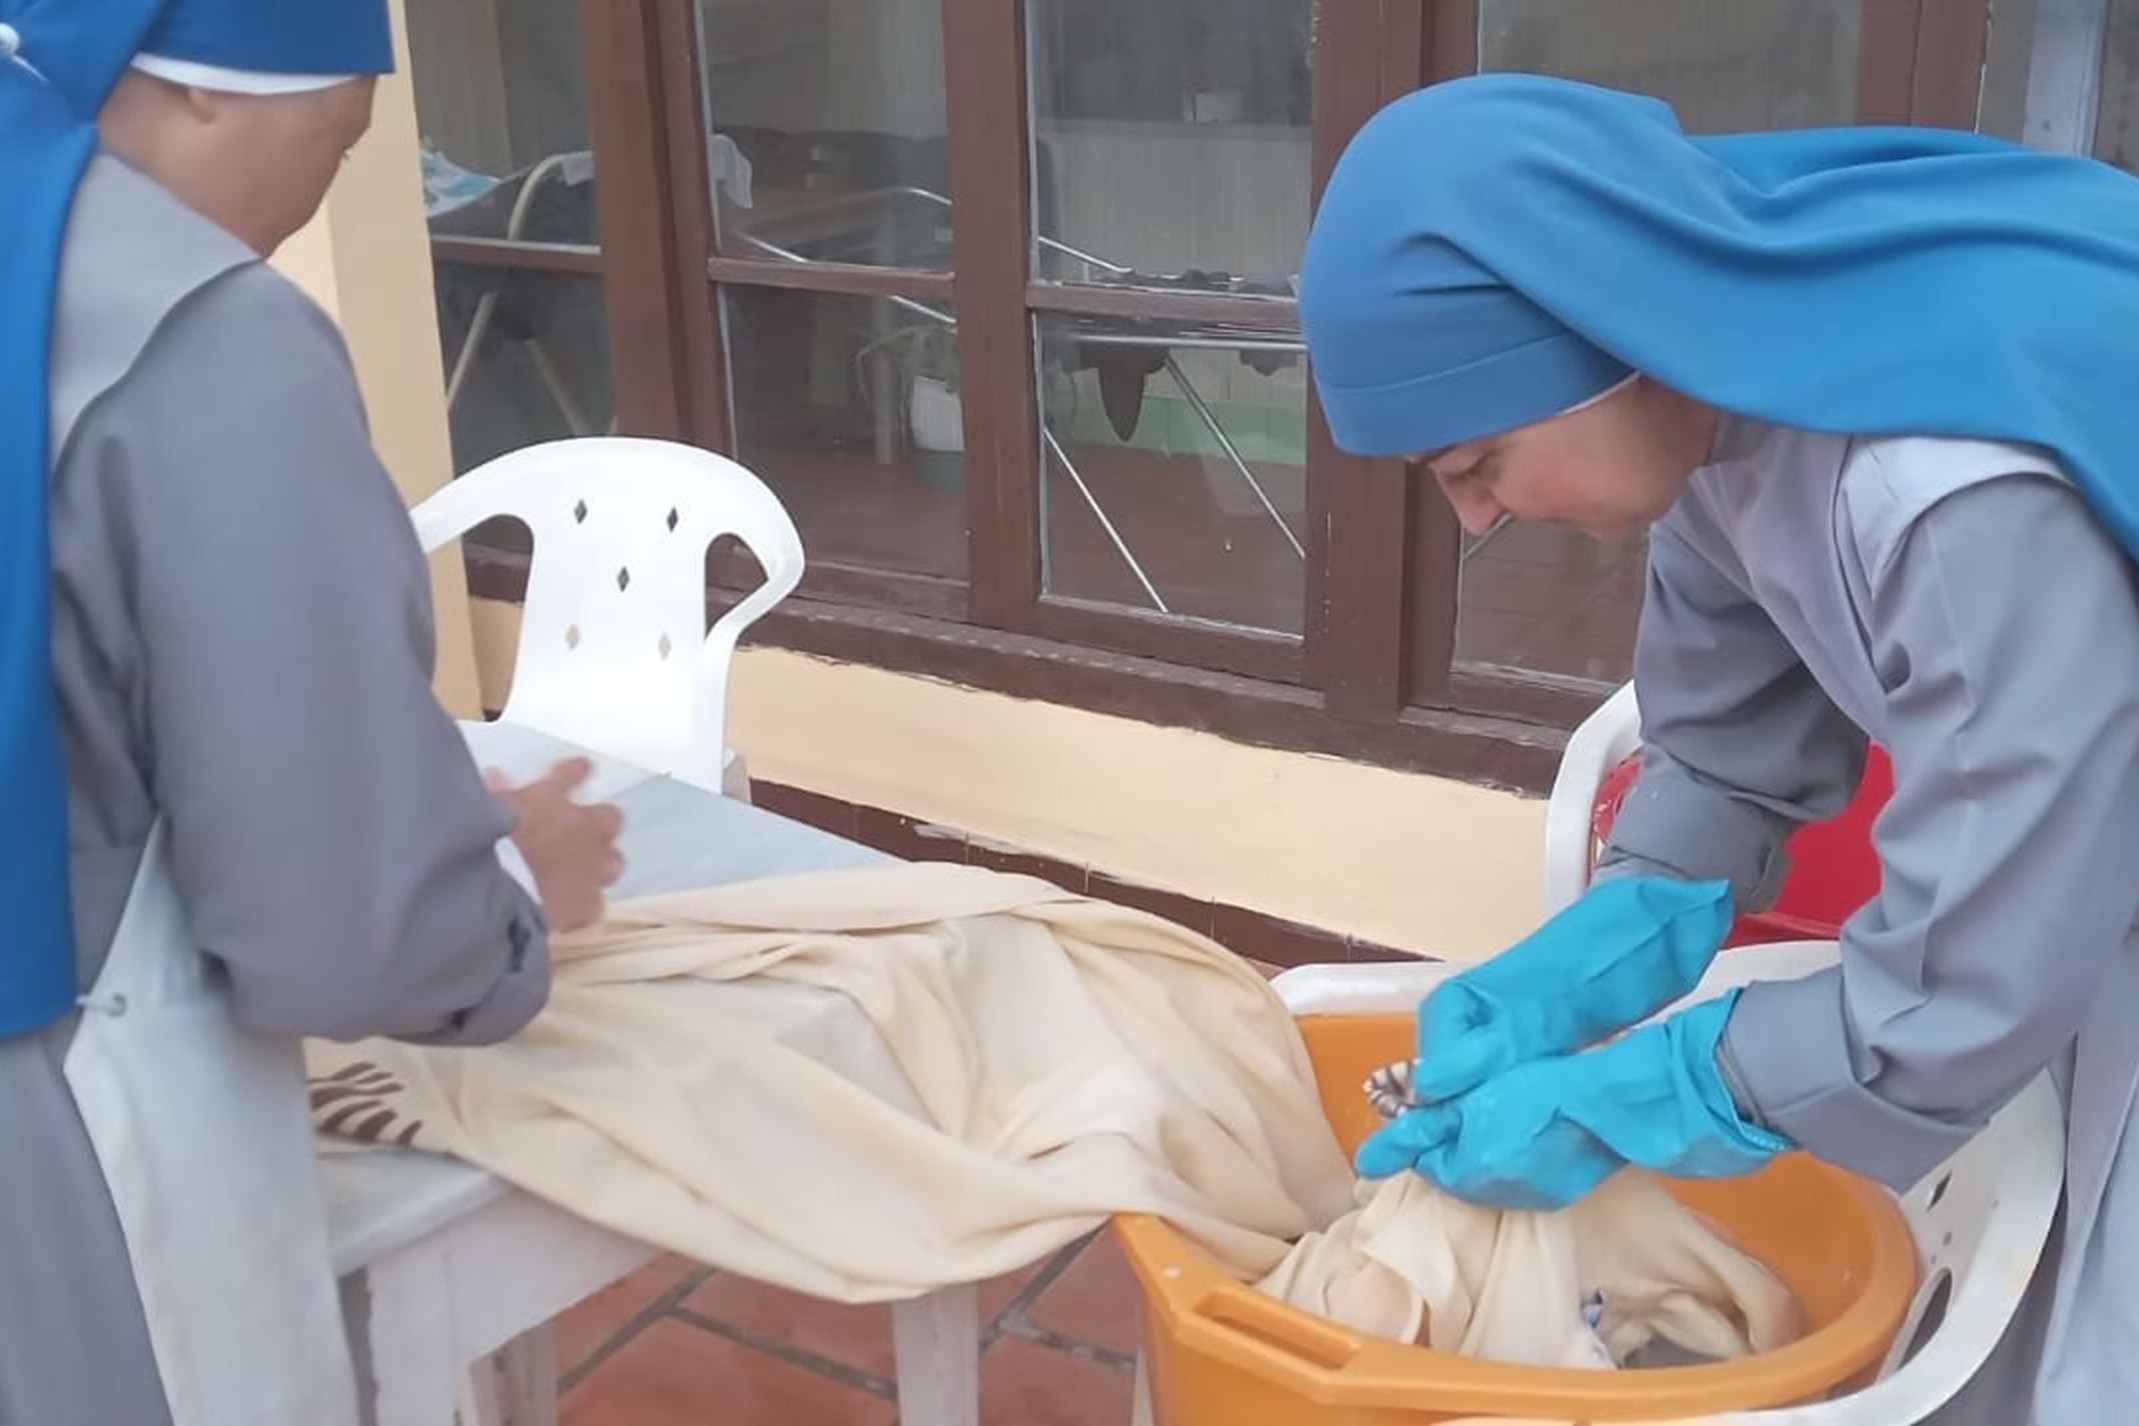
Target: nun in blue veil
point(1871, 394)
point(236, 813)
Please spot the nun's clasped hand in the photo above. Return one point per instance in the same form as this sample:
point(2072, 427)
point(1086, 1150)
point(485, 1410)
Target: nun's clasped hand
point(1623, 951)
point(1544, 1133)
point(1512, 1106)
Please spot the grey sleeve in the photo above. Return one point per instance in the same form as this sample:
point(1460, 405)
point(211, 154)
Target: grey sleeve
point(2007, 637)
point(1739, 744)
point(329, 833)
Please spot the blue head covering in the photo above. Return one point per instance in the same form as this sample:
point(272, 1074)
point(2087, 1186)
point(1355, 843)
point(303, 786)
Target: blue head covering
point(1495, 249)
point(59, 60)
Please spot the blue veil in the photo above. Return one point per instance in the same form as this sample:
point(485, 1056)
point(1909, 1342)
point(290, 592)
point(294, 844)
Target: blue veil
point(1494, 249)
point(59, 60)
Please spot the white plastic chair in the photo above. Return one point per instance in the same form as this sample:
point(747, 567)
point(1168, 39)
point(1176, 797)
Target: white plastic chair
point(1980, 1220)
point(614, 656)
point(1603, 740)
point(614, 653)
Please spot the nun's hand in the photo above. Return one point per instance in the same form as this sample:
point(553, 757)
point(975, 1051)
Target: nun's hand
point(1543, 1134)
point(570, 846)
point(1626, 949)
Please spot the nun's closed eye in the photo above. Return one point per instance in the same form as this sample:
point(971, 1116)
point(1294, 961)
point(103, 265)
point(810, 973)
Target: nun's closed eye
point(1477, 467)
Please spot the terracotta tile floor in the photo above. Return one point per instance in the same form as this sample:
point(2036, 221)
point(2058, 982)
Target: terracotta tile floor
point(677, 1345)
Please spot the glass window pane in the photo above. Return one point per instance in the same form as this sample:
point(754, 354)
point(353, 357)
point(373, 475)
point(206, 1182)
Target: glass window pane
point(1549, 600)
point(848, 407)
point(1555, 601)
point(499, 88)
point(2008, 54)
point(1747, 64)
point(828, 133)
point(1170, 140)
point(527, 358)
point(2116, 135)
point(502, 107)
point(1175, 470)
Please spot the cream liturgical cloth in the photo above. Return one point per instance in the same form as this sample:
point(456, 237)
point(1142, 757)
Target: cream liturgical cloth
point(1421, 1265)
point(866, 1084)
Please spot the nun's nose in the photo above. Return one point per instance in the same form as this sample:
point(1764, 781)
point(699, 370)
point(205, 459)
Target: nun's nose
point(1477, 511)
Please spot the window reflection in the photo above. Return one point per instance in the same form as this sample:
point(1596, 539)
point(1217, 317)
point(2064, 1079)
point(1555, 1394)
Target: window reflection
point(828, 137)
point(850, 408)
point(1170, 141)
point(502, 109)
point(1748, 64)
point(2116, 135)
point(1175, 469)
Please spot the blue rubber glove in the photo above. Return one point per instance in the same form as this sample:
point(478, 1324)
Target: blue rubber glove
point(1626, 949)
point(1543, 1134)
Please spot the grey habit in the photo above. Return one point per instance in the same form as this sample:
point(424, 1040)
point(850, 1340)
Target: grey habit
point(1957, 602)
point(243, 644)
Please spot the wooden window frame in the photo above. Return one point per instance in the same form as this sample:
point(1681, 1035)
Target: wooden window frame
point(1374, 675)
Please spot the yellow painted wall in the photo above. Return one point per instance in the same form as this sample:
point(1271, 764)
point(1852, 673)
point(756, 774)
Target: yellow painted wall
point(1421, 863)
point(366, 259)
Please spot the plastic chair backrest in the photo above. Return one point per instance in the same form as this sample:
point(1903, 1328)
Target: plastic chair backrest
point(614, 652)
point(1833, 867)
point(1602, 742)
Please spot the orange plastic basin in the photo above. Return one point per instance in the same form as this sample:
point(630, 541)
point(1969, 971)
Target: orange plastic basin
point(1219, 1353)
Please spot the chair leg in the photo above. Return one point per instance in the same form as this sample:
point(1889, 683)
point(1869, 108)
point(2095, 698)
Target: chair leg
point(936, 1341)
point(527, 1367)
point(516, 1385)
point(402, 1336)
point(479, 1403)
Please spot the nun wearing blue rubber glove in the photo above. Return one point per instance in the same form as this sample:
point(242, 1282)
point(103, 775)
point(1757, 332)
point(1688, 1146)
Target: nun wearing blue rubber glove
point(1542, 1133)
point(1619, 954)
point(1867, 393)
